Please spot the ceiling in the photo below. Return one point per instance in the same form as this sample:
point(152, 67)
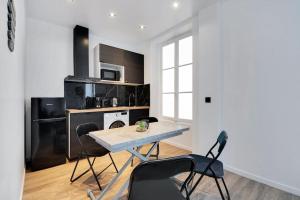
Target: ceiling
point(157, 15)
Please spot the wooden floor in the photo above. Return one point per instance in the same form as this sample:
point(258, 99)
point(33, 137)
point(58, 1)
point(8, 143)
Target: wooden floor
point(53, 183)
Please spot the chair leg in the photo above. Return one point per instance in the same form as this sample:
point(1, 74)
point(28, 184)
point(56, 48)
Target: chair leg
point(196, 184)
point(228, 195)
point(71, 179)
point(189, 181)
point(113, 162)
point(103, 170)
point(157, 151)
point(95, 175)
point(73, 173)
point(221, 193)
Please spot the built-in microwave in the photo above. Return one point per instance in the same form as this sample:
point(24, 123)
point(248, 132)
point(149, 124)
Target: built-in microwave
point(110, 75)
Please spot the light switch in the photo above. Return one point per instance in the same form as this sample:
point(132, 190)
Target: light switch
point(207, 99)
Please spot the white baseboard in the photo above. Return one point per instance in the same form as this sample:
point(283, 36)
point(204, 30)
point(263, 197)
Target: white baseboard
point(263, 180)
point(22, 185)
point(181, 146)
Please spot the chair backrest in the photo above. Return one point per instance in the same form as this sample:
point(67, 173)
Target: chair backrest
point(149, 119)
point(222, 140)
point(84, 129)
point(159, 170)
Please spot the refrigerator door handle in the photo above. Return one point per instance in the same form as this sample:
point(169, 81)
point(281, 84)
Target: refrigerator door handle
point(49, 120)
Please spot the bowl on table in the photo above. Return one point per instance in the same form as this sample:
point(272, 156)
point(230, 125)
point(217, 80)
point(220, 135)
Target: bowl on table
point(142, 125)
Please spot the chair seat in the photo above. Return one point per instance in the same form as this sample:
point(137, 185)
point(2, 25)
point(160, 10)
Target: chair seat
point(160, 190)
point(202, 162)
point(93, 148)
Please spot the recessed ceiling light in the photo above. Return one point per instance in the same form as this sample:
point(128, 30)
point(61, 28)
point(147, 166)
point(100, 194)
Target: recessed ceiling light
point(70, 1)
point(112, 14)
point(142, 27)
point(175, 4)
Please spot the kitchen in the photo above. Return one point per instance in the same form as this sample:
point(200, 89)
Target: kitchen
point(110, 101)
point(160, 99)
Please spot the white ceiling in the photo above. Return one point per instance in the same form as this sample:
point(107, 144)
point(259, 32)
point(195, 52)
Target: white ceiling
point(157, 15)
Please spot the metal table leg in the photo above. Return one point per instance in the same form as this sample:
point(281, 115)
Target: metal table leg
point(140, 156)
point(114, 179)
point(135, 153)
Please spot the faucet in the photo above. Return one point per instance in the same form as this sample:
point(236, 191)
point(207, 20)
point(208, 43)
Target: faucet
point(130, 96)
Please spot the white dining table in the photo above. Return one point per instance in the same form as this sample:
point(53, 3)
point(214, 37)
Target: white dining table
point(128, 139)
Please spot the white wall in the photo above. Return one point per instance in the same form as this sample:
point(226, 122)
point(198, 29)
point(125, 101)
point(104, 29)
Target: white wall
point(49, 59)
point(209, 79)
point(249, 62)
point(12, 105)
point(261, 47)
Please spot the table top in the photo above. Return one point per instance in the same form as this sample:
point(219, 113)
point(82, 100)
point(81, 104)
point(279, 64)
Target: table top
point(120, 139)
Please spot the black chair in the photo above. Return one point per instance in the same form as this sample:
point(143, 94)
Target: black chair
point(89, 148)
point(153, 179)
point(211, 167)
point(150, 120)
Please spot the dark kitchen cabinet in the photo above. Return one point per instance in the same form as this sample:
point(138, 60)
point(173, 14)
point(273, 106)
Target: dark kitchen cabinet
point(75, 119)
point(111, 55)
point(132, 62)
point(133, 75)
point(135, 115)
point(134, 67)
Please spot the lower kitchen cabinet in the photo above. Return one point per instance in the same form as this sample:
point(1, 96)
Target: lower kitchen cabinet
point(75, 119)
point(135, 115)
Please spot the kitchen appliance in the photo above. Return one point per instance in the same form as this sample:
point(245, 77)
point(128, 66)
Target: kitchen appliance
point(110, 75)
point(48, 132)
point(115, 102)
point(116, 119)
point(106, 102)
point(90, 102)
point(104, 64)
point(98, 102)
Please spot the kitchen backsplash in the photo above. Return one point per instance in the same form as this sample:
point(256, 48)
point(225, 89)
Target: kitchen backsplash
point(81, 95)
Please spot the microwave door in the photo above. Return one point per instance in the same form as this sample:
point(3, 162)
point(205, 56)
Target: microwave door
point(118, 76)
point(110, 75)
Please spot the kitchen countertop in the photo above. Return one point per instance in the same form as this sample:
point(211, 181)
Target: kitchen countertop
point(107, 109)
point(97, 80)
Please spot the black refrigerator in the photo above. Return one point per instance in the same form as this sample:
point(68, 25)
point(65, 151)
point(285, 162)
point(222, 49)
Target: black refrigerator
point(48, 132)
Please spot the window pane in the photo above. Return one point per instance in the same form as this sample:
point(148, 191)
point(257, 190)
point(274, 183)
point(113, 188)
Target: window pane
point(168, 56)
point(168, 105)
point(185, 106)
point(186, 50)
point(185, 78)
point(168, 80)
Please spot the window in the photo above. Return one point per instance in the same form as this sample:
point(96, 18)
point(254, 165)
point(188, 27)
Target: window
point(177, 79)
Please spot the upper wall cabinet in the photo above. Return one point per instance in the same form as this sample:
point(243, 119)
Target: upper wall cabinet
point(111, 55)
point(133, 62)
point(134, 67)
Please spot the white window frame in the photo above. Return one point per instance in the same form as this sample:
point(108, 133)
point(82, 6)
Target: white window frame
point(175, 40)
